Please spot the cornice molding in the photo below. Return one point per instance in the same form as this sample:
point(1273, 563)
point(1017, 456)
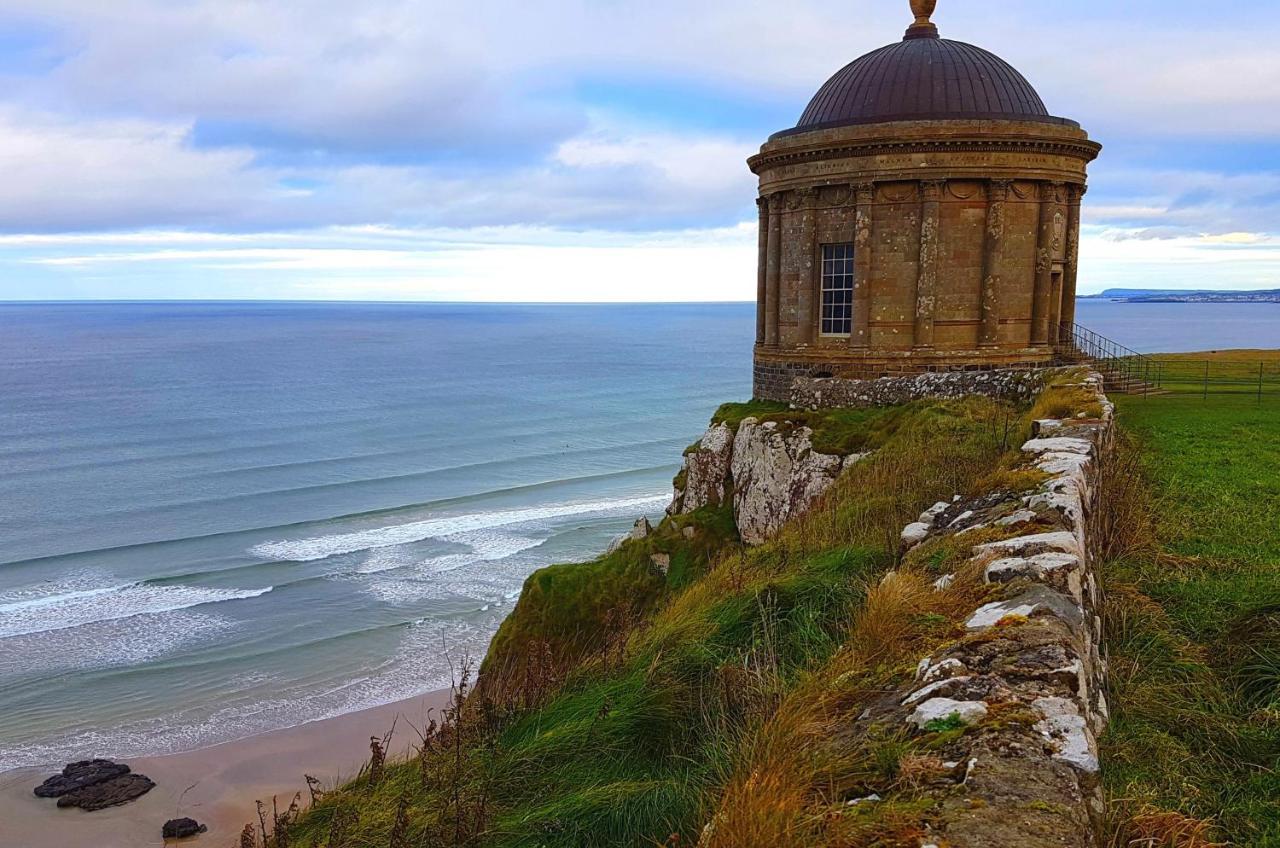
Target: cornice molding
point(1085, 150)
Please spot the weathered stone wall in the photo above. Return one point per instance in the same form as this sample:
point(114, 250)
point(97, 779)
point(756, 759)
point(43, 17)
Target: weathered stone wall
point(1029, 675)
point(834, 393)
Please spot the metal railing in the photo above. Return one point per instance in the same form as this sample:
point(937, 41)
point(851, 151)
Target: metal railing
point(1124, 370)
point(1129, 372)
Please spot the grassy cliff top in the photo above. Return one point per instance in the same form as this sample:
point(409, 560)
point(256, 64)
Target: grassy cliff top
point(1237, 355)
point(618, 703)
point(621, 706)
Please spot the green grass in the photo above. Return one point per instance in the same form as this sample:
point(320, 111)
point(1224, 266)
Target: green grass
point(647, 688)
point(839, 432)
point(734, 414)
point(1231, 372)
point(1194, 620)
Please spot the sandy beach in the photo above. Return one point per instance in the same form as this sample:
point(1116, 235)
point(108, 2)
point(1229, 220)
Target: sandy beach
point(217, 786)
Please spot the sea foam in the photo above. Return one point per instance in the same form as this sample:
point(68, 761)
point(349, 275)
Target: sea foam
point(322, 547)
point(108, 603)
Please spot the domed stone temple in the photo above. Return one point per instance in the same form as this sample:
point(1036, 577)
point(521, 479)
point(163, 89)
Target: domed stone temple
point(923, 215)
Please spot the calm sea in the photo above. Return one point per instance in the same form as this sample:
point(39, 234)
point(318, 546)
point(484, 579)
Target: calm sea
point(218, 519)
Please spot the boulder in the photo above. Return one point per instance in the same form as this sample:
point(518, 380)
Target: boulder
point(640, 530)
point(108, 793)
point(78, 775)
point(914, 534)
point(662, 562)
point(181, 828)
point(776, 475)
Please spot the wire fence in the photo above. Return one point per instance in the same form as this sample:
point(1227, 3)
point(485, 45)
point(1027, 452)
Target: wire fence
point(1129, 372)
point(1207, 377)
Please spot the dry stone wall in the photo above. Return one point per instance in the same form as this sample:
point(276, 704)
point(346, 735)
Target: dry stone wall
point(1029, 674)
point(831, 393)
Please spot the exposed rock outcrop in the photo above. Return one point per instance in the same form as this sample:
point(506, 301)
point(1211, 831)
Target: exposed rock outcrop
point(662, 562)
point(79, 775)
point(108, 793)
point(95, 785)
point(705, 479)
point(181, 828)
point(640, 530)
point(777, 475)
point(769, 469)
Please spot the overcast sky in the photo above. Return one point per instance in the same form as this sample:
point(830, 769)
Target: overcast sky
point(565, 149)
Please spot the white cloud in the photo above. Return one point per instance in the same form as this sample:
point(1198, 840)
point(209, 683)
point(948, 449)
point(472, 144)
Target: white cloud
point(414, 74)
point(1119, 258)
point(701, 165)
point(305, 134)
point(498, 264)
point(118, 173)
point(115, 174)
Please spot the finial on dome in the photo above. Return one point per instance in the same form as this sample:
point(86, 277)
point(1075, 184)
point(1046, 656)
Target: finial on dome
point(923, 27)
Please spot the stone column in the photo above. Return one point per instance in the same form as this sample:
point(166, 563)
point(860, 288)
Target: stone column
point(1055, 306)
point(807, 297)
point(863, 237)
point(762, 267)
point(992, 245)
point(773, 269)
point(1040, 301)
point(1070, 272)
point(927, 280)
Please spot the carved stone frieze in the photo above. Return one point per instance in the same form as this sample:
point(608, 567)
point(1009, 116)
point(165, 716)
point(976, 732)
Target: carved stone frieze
point(1042, 260)
point(998, 190)
point(898, 192)
point(931, 190)
point(1059, 232)
point(962, 190)
point(1023, 191)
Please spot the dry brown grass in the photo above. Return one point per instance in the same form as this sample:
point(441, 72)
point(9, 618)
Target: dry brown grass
point(1011, 480)
point(1125, 522)
point(807, 758)
point(1151, 827)
point(883, 494)
point(1066, 402)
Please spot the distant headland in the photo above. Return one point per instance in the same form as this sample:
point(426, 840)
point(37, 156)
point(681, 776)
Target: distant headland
point(1185, 296)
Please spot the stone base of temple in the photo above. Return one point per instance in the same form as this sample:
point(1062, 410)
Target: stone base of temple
point(776, 369)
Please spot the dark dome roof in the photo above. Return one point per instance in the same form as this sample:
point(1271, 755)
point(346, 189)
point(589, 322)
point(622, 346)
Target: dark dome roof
point(921, 78)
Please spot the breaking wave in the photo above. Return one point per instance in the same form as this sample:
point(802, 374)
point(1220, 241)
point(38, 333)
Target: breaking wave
point(108, 603)
point(322, 547)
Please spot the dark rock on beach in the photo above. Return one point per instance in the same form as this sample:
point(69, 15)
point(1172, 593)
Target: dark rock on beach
point(78, 775)
point(108, 793)
point(181, 828)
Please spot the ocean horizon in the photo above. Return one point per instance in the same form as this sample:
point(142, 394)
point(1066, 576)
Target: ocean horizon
point(220, 518)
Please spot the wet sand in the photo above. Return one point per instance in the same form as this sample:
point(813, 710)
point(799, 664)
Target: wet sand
point(216, 786)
